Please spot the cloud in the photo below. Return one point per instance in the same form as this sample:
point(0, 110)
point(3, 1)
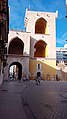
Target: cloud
point(62, 40)
point(64, 36)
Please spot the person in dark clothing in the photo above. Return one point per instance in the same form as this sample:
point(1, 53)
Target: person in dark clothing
point(56, 77)
point(13, 75)
point(38, 80)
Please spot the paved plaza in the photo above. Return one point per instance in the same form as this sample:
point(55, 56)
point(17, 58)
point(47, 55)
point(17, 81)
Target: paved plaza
point(47, 100)
point(26, 100)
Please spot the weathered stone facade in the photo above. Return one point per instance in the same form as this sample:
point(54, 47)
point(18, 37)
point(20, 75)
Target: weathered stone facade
point(35, 49)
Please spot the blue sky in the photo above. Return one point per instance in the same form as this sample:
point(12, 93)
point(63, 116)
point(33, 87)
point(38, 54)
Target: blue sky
point(17, 13)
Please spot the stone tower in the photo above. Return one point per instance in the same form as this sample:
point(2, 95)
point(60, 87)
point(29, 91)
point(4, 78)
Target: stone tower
point(34, 51)
point(42, 28)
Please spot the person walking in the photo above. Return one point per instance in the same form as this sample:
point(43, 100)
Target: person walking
point(38, 80)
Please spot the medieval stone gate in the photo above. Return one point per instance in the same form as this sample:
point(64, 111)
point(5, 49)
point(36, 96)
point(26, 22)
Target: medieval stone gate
point(34, 50)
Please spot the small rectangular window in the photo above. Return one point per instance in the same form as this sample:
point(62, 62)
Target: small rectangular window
point(38, 66)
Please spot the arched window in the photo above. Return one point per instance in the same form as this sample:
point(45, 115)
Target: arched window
point(16, 46)
point(40, 47)
point(40, 26)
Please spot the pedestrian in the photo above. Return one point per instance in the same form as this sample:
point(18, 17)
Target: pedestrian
point(13, 75)
point(38, 80)
point(56, 77)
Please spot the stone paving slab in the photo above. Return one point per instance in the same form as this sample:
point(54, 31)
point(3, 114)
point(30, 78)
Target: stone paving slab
point(47, 100)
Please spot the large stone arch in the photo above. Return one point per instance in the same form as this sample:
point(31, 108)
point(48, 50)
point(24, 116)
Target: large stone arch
point(40, 26)
point(16, 46)
point(17, 70)
point(40, 49)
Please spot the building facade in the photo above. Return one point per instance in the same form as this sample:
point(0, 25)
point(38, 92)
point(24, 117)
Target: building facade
point(61, 61)
point(61, 54)
point(34, 51)
point(4, 30)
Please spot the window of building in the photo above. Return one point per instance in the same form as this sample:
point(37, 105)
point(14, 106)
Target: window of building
point(40, 26)
point(40, 51)
point(38, 66)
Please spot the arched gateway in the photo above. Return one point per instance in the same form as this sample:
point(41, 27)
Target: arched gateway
point(18, 59)
point(33, 51)
point(15, 71)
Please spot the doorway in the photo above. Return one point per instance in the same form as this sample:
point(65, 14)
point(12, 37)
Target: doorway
point(38, 74)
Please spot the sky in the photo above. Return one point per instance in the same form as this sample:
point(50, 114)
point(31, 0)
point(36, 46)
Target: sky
point(17, 14)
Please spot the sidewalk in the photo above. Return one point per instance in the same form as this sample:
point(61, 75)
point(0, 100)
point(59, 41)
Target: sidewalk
point(11, 106)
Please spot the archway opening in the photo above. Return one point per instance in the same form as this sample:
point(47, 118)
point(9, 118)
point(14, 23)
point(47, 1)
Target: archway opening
point(15, 71)
point(40, 49)
point(40, 26)
point(16, 46)
point(38, 74)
